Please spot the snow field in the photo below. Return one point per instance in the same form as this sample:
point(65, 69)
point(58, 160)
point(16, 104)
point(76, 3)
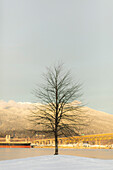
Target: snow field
point(58, 162)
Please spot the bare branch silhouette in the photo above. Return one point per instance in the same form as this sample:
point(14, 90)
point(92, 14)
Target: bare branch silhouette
point(57, 115)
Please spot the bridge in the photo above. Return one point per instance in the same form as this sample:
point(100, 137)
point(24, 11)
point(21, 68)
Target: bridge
point(95, 139)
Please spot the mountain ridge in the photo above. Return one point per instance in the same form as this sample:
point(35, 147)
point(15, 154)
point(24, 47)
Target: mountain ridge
point(14, 119)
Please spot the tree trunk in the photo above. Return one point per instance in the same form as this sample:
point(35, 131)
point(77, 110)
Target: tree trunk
point(56, 144)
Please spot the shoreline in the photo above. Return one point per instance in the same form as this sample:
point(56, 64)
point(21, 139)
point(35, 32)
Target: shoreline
point(8, 154)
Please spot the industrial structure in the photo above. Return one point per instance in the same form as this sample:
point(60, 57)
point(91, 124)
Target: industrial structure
point(95, 139)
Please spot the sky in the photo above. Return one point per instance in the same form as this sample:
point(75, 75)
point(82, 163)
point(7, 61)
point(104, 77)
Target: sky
point(35, 34)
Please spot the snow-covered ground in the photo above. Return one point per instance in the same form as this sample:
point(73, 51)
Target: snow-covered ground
point(59, 162)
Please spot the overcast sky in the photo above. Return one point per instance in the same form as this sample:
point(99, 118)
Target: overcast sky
point(37, 33)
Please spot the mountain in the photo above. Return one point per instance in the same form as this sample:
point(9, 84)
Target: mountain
point(14, 120)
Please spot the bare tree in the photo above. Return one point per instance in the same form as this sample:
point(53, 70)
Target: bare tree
point(57, 115)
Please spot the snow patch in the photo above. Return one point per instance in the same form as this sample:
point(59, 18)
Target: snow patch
point(58, 162)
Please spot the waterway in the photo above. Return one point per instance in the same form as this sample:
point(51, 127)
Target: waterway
point(12, 153)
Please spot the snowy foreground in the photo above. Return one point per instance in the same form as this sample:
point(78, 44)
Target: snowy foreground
point(60, 162)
